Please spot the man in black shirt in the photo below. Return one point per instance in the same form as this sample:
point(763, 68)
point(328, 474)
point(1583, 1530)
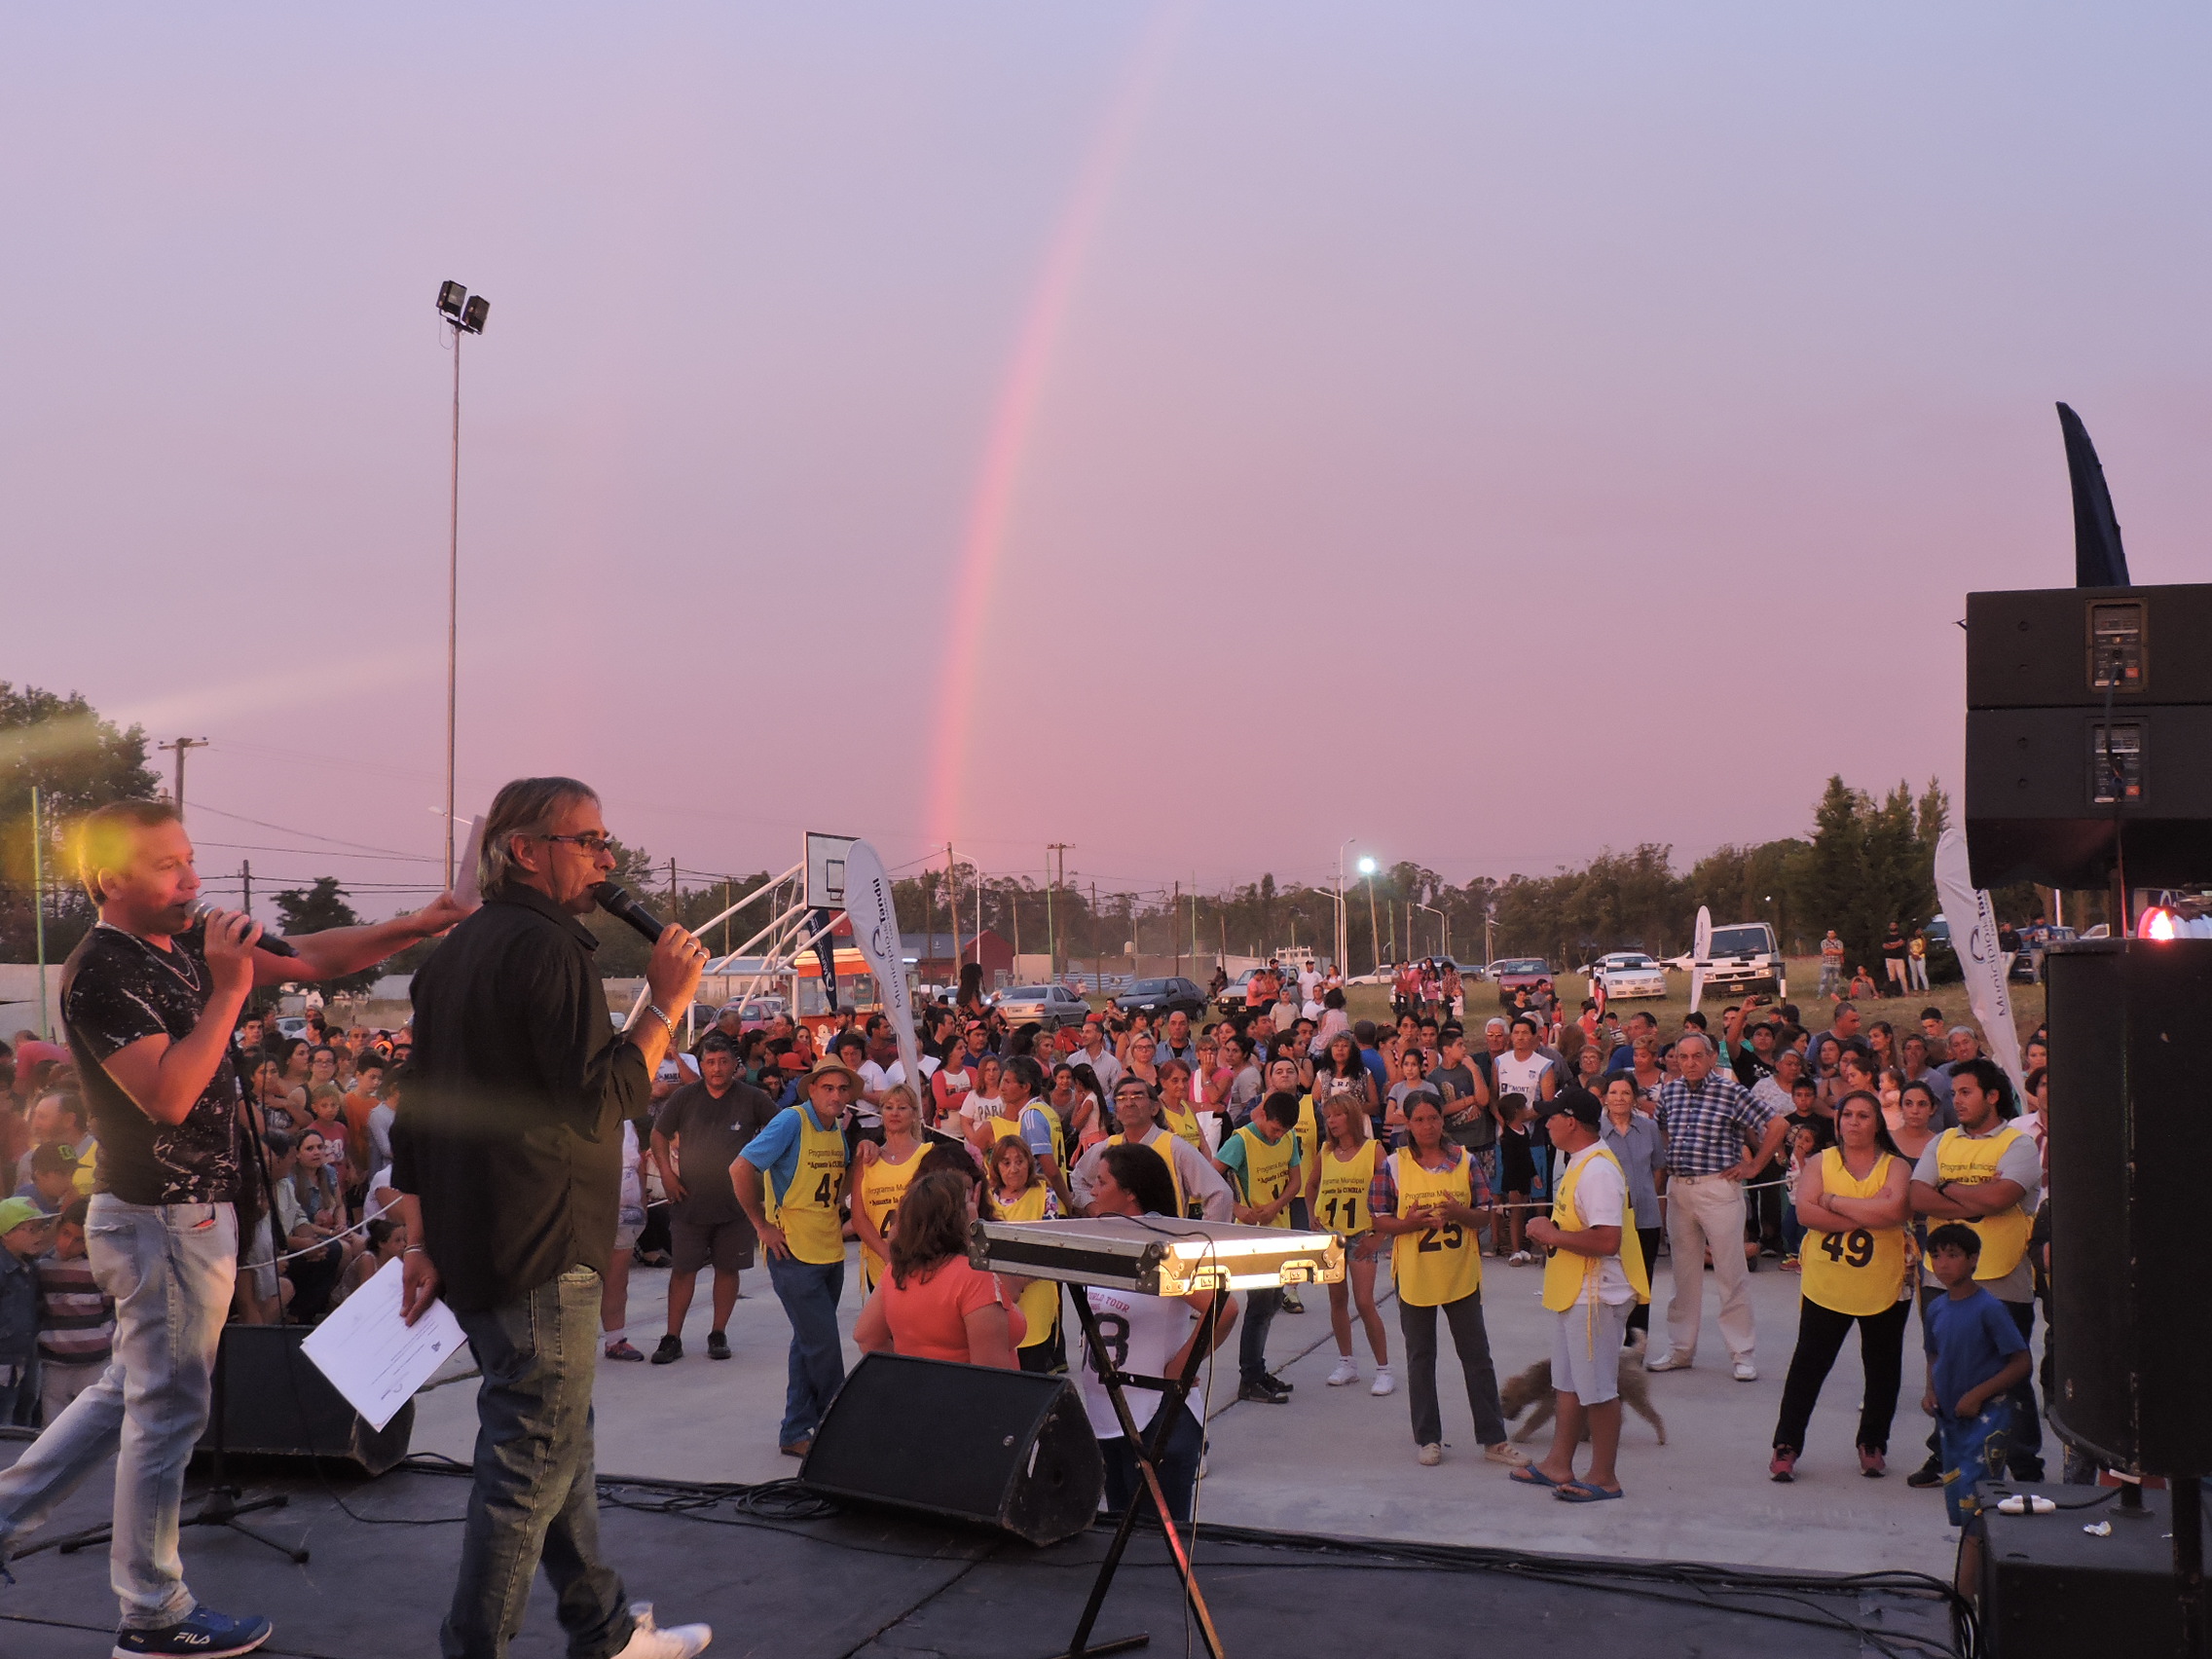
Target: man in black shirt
point(696, 1136)
point(509, 1146)
point(149, 1001)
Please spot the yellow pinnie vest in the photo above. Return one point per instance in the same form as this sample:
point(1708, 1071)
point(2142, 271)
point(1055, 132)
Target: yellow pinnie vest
point(1565, 1272)
point(1967, 1160)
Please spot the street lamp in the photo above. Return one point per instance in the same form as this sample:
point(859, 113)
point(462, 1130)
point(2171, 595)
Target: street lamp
point(1444, 922)
point(1374, 928)
point(464, 315)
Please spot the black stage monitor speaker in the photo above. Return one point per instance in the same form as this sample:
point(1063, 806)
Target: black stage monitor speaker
point(277, 1404)
point(2088, 711)
point(2051, 1591)
point(2130, 1140)
point(1004, 1449)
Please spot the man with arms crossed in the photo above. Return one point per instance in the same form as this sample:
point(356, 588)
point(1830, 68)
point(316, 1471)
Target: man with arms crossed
point(509, 1146)
point(149, 1001)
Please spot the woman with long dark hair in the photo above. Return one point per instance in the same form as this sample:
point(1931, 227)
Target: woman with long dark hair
point(1856, 1203)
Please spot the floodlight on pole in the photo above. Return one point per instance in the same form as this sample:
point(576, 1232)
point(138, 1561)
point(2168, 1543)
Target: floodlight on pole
point(463, 313)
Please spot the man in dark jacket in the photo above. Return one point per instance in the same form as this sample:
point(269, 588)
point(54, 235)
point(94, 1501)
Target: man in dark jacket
point(508, 1144)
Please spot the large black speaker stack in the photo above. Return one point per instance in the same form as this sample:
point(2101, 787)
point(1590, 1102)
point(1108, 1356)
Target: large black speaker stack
point(1008, 1450)
point(275, 1404)
point(2130, 1146)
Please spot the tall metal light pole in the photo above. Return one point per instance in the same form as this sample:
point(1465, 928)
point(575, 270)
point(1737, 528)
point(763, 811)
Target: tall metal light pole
point(1374, 928)
point(1444, 922)
point(464, 315)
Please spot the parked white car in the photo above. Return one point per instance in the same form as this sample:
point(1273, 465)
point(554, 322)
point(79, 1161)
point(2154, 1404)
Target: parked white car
point(1629, 974)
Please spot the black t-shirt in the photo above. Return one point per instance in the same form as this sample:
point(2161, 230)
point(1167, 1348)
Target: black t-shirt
point(711, 1130)
point(1894, 946)
point(117, 988)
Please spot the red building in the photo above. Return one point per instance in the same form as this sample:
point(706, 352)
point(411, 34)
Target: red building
point(934, 961)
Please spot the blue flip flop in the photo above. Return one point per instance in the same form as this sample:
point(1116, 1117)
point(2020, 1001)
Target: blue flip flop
point(1580, 1491)
point(1530, 1475)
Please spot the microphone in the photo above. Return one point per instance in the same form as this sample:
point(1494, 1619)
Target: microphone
point(275, 943)
point(614, 899)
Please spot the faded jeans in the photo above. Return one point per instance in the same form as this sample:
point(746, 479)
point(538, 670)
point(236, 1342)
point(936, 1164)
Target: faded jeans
point(809, 1292)
point(535, 1500)
point(171, 1269)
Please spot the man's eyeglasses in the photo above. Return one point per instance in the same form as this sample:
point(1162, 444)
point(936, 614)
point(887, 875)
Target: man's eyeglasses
point(591, 843)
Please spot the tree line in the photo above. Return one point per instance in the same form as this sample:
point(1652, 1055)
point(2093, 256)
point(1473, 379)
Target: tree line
point(1865, 862)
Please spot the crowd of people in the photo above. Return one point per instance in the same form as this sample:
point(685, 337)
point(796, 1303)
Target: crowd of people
point(1842, 1153)
point(508, 1150)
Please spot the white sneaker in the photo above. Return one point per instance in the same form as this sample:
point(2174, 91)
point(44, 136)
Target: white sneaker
point(1346, 1371)
point(1668, 1362)
point(1431, 1455)
point(1506, 1452)
point(652, 1641)
point(1746, 1372)
point(1384, 1382)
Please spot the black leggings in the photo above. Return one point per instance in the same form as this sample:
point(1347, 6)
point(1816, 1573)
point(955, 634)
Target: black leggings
point(1820, 1338)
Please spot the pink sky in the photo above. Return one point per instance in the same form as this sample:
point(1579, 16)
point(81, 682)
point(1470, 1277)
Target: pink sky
point(1490, 434)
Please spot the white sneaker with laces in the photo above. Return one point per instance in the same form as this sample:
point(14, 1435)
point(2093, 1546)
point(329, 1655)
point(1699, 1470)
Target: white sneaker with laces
point(1384, 1382)
point(1668, 1362)
point(1431, 1455)
point(655, 1642)
point(1746, 1372)
point(1346, 1371)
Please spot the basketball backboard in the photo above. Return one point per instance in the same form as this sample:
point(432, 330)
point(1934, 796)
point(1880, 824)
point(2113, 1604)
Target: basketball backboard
point(825, 870)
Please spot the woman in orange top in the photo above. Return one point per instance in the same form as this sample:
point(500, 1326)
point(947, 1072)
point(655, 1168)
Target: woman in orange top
point(934, 1304)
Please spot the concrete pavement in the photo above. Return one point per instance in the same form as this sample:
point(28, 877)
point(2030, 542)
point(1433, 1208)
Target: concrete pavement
point(1341, 1460)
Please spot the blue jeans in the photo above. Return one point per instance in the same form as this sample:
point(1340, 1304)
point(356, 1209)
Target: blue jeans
point(171, 1269)
point(809, 1292)
point(1259, 1309)
point(1177, 1468)
point(1792, 1229)
point(535, 1500)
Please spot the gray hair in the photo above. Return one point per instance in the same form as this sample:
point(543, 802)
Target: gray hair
point(1694, 1034)
point(1494, 1024)
point(1960, 1031)
point(527, 806)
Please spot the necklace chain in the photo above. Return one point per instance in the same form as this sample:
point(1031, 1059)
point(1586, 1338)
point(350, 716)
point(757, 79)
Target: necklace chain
point(190, 982)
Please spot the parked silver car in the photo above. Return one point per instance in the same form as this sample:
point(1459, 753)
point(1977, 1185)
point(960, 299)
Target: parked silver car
point(1050, 1006)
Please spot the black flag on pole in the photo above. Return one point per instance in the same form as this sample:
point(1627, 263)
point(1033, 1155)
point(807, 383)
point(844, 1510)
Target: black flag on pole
point(826, 953)
point(2099, 560)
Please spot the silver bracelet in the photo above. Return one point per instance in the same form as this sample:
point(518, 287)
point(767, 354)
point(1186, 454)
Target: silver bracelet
point(667, 1024)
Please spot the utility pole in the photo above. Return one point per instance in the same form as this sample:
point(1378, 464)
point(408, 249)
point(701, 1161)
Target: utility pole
point(1058, 881)
point(182, 747)
point(245, 884)
point(1098, 957)
point(38, 898)
point(952, 907)
point(1193, 921)
point(1374, 927)
point(1173, 931)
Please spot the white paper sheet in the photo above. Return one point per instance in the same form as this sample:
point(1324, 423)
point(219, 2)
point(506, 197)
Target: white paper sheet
point(375, 1359)
point(464, 879)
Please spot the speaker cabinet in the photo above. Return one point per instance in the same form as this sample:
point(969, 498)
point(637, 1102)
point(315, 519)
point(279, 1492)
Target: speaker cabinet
point(275, 1404)
point(1001, 1449)
point(2051, 794)
point(2130, 1142)
point(2051, 1591)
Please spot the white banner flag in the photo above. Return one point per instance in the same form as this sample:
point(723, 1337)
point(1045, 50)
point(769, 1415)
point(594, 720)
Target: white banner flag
point(1701, 950)
point(875, 934)
point(1973, 937)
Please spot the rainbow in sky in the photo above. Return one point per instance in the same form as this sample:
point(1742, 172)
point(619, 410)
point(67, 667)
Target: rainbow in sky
point(990, 508)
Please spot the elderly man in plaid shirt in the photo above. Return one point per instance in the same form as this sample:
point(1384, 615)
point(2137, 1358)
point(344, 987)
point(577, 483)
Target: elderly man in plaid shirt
point(1710, 1119)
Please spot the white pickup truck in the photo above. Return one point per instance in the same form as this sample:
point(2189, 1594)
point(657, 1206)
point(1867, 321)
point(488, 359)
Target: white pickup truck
point(1744, 957)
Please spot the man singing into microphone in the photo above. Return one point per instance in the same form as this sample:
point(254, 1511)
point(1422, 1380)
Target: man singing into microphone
point(149, 1001)
point(509, 1145)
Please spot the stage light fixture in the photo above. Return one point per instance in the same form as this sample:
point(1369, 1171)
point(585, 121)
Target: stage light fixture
point(473, 314)
point(452, 299)
point(2157, 923)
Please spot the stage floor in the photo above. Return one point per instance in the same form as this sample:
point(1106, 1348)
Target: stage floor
point(863, 1585)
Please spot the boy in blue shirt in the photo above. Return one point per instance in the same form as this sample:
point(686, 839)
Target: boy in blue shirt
point(1976, 1352)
